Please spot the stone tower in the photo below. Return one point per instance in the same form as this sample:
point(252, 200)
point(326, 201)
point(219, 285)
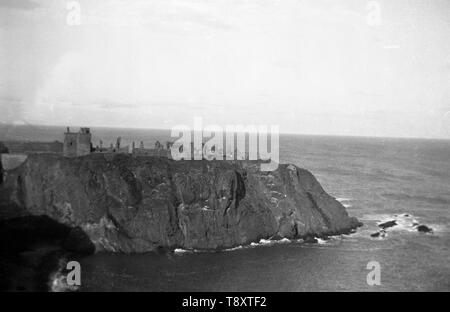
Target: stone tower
point(77, 143)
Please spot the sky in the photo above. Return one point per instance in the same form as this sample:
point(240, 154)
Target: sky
point(330, 67)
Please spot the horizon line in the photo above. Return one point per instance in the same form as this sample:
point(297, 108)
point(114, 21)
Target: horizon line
point(281, 133)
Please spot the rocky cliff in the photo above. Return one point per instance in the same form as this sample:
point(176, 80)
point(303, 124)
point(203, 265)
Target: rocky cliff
point(3, 150)
point(139, 204)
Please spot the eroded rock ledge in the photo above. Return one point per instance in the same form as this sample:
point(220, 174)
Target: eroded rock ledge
point(138, 204)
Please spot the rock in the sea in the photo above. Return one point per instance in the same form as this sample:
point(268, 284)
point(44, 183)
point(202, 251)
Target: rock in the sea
point(138, 204)
point(424, 229)
point(387, 224)
point(310, 240)
point(380, 234)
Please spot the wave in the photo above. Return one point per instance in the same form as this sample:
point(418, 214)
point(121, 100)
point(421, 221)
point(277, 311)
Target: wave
point(235, 248)
point(343, 199)
point(183, 251)
point(403, 222)
point(268, 242)
point(311, 241)
point(315, 241)
point(58, 279)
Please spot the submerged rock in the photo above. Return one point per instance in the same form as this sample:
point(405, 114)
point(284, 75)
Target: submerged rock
point(138, 204)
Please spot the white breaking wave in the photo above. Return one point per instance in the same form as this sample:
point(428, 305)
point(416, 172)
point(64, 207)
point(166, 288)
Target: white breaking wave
point(343, 199)
point(405, 222)
point(262, 242)
point(58, 280)
point(234, 248)
point(269, 242)
point(182, 251)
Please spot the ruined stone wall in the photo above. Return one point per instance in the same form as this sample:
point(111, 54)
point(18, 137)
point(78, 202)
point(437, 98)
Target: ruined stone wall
point(84, 144)
point(70, 144)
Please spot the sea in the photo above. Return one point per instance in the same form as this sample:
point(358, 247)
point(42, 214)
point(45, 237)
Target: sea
point(376, 179)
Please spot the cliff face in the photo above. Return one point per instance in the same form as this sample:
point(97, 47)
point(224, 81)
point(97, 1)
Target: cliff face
point(3, 150)
point(138, 204)
point(1, 170)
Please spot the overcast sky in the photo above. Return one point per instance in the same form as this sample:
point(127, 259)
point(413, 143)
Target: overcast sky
point(314, 67)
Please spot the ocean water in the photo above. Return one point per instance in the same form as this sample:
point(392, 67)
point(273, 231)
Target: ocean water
point(377, 179)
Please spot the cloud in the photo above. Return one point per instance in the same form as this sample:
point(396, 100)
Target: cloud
point(19, 4)
point(391, 47)
point(11, 108)
point(181, 15)
point(108, 104)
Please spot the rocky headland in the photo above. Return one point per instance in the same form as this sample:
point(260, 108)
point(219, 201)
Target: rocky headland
point(139, 204)
point(51, 206)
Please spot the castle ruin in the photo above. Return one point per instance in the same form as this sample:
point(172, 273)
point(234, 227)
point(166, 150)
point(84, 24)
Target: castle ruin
point(77, 143)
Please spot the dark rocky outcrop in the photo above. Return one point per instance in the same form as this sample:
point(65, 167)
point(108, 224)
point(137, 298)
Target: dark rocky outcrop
point(424, 229)
point(388, 224)
point(310, 240)
point(3, 150)
point(379, 234)
point(138, 204)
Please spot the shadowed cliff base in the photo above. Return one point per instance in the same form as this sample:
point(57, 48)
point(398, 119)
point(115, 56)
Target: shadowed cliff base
point(139, 204)
point(31, 248)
